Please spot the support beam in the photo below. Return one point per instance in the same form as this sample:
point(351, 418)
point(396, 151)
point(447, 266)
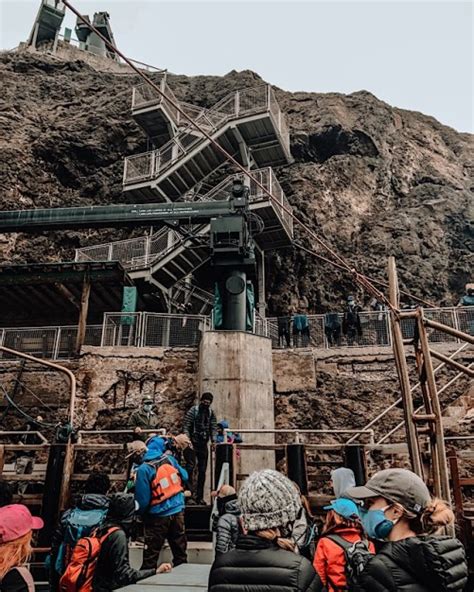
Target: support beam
point(68, 295)
point(452, 363)
point(402, 370)
point(81, 326)
point(449, 330)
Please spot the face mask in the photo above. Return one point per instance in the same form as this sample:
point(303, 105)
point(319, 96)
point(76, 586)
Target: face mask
point(147, 408)
point(375, 524)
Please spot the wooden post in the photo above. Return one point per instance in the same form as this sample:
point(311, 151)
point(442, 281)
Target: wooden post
point(441, 464)
point(84, 309)
point(402, 369)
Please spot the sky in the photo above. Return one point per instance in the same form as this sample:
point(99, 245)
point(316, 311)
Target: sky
point(413, 54)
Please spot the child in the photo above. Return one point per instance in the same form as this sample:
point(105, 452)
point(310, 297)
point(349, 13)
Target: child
point(341, 520)
point(16, 530)
point(228, 525)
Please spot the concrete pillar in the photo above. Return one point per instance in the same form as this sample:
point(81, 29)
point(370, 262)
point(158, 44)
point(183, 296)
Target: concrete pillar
point(237, 368)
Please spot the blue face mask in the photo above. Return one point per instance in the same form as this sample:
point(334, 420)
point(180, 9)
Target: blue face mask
point(375, 524)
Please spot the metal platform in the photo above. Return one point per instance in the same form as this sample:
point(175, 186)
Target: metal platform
point(47, 23)
point(248, 124)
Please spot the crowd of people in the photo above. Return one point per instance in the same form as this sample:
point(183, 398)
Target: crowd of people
point(381, 537)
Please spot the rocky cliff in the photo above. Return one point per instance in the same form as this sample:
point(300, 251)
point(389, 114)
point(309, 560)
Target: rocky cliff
point(371, 179)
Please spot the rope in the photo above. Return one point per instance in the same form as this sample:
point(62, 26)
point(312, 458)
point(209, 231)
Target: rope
point(357, 277)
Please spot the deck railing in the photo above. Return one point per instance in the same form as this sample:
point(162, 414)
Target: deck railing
point(239, 104)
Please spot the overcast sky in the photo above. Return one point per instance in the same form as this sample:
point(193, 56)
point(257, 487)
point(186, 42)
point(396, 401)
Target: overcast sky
point(413, 54)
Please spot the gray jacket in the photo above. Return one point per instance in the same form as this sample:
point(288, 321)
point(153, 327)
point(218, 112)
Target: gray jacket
point(228, 528)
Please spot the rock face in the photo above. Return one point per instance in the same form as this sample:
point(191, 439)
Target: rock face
point(370, 179)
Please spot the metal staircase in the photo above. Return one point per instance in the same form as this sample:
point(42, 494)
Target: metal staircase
point(168, 256)
point(247, 123)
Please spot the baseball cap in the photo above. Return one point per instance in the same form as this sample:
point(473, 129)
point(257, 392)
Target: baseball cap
point(344, 507)
point(135, 446)
point(396, 485)
point(147, 399)
point(16, 521)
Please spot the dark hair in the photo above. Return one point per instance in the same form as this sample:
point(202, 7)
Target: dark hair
point(6, 493)
point(97, 483)
point(207, 396)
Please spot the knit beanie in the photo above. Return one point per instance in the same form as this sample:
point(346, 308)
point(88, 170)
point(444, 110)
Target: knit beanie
point(268, 499)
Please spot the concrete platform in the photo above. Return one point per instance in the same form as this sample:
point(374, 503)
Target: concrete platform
point(199, 552)
point(188, 577)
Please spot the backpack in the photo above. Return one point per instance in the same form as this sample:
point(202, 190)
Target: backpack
point(356, 555)
point(167, 481)
point(78, 524)
point(79, 574)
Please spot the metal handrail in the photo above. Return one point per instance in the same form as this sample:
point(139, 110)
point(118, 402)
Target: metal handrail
point(297, 431)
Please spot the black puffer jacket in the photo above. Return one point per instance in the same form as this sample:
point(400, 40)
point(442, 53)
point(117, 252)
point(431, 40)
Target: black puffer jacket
point(258, 565)
point(227, 530)
point(417, 564)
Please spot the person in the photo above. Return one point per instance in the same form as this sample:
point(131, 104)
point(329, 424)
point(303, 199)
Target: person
point(89, 512)
point(200, 425)
point(16, 530)
point(228, 524)
point(301, 333)
point(341, 479)
point(113, 568)
point(181, 448)
point(284, 330)
point(264, 559)
point(399, 509)
point(6, 493)
point(468, 298)
point(342, 522)
point(304, 528)
point(144, 419)
point(351, 325)
point(380, 321)
point(231, 436)
point(160, 495)
point(136, 451)
point(332, 328)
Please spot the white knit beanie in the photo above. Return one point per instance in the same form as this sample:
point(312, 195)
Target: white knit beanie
point(268, 499)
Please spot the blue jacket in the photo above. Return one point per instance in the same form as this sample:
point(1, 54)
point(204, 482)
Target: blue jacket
point(145, 475)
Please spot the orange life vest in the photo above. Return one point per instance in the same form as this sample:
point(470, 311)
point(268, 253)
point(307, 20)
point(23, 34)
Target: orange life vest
point(167, 482)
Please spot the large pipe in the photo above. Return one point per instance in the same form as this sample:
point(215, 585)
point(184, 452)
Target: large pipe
point(452, 363)
point(449, 330)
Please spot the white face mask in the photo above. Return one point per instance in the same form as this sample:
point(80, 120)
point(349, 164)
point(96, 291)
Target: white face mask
point(148, 407)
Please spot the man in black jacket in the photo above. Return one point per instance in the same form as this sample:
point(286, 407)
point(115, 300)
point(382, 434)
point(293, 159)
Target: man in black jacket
point(113, 565)
point(200, 425)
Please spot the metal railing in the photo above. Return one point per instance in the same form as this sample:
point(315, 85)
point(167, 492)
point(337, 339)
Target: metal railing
point(146, 250)
point(239, 104)
point(144, 95)
point(147, 329)
point(54, 343)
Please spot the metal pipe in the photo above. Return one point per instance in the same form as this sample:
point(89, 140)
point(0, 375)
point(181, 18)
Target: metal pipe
point(449, 330)
point(69, 374)
point(452, 363)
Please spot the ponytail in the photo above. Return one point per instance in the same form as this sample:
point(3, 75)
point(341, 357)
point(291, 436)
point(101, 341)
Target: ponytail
point(273, 534)
point(435, 516)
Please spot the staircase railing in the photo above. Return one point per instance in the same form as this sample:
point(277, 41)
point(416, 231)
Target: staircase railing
point(242, 103)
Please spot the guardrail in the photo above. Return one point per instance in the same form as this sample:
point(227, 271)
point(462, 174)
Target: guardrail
point(239, 104)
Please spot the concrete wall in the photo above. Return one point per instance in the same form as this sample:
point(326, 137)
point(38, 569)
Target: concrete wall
point(237, 368)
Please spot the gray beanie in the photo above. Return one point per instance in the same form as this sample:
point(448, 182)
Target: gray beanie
point(268, 499)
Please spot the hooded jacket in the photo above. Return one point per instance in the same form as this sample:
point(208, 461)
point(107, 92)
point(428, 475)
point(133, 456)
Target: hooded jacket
point(259, 565)
point(342, 478)
point(330, 560)
point(231, 436)
point(228, 528)
point(144, 477)
point(417, 564)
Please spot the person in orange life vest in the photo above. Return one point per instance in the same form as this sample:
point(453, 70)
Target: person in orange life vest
point(160, 495)
point(329, 561)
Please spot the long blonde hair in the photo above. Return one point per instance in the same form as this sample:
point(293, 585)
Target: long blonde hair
point(273, 534)
point(15, 553)
point(434, 517)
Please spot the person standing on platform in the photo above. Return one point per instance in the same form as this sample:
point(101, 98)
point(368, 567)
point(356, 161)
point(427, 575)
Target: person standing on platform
point(200, 425)
point(144, 419)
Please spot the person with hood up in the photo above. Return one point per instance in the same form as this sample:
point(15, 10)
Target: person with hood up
point(113, 568)
point(231, 436)
point(264, 560)
point(341, 479)
point(160, 495)
point(400, 510)
point(342, 522)
point(228, 523)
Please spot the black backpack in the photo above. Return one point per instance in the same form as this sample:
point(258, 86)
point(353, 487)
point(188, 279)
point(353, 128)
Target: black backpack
point(357, 555)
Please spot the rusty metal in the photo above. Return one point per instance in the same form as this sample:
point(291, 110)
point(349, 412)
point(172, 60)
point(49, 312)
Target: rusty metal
point(446, 329)
point(453, 363)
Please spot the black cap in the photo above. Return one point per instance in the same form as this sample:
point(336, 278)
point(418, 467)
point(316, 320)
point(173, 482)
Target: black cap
point(208, 396)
